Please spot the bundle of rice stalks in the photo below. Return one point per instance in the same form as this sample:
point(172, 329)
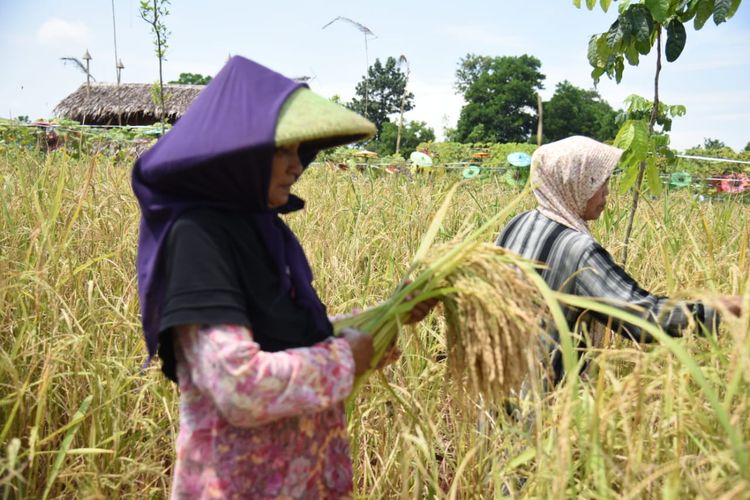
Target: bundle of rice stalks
point(493, 319)
point(492, 309)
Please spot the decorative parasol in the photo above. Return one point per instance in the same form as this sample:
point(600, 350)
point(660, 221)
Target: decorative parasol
point(420, 159)
point(471, 171)
point(681, 179)
point(519, 159)
point(734, 183)
point(366, 154)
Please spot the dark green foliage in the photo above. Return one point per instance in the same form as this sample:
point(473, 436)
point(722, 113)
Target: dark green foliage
point(574, 111)
point(643, 142)
point(635, 31)
point(192, 79)
point(747, 147)
point(659, 9)
point(721, 10)
point(711, 144)
point(500, 99)
point(639, 108)
point(385, 86)
point(702, 14)
point(412, 134)
point(469, 69)
point(676, 37)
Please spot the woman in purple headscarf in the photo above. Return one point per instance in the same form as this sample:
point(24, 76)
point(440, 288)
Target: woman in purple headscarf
point(226, 293)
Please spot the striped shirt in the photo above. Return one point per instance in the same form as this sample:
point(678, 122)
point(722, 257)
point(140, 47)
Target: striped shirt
point(576, 264)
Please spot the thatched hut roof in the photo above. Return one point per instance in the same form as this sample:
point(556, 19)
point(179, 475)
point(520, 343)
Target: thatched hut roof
point(124, 104)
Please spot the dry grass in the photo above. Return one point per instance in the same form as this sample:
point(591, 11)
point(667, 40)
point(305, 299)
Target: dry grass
point(80, 418)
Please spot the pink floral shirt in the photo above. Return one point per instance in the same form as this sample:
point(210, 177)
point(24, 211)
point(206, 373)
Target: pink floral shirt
point(256, 424)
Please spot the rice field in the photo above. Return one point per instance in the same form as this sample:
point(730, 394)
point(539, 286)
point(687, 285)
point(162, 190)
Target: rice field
point(81, 418)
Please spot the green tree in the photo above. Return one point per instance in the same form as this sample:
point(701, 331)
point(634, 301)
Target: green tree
point(412, 134)
point(469, 69)
point(710, 144)
point(747, 147)
point(574, 111)
point(500, 98)
point(379, 93)
point(639, 27)
point(192, 79)
point(153, 12)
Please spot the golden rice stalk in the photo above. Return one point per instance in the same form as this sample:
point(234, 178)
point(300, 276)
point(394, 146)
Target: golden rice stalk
point(493, 315)
point(493, 319)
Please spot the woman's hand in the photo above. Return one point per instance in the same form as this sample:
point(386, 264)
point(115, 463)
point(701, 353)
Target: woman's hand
point(733, 304)
point(362, 349)
point(421, 309)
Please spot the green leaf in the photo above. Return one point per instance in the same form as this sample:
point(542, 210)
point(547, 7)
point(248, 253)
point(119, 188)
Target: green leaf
point(733, 8)
point(659, 142)
point(592, 53)
point(633, 138)
point(705, 8)
point(625, 135)
point(659, 10)
point(65, 445)
point(626, 30)
point(677, 110)
point(631, 53)
point(721, 10)
point(628, 178)
point(652, 174)
point(605, 4)
point(590, 4)
point(640, 141)
point(614, 35)
point(577, 3)
point(641, 23)
point(596, 74)
point(676, 37)
point(619, 68)
point(602, 50)
point(690, 7)
point(642, 48)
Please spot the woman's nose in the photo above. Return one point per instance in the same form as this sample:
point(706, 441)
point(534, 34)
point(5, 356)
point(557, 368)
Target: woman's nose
point(295, 166)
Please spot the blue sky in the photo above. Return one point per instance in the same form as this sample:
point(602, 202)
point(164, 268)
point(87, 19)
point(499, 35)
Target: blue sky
point(711, 77)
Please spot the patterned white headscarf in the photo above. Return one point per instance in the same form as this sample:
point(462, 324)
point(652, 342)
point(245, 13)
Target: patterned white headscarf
point(565, 175)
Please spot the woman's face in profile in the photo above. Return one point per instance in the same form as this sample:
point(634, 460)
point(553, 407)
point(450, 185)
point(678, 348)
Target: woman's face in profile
point(285, 171)
point(596, 203)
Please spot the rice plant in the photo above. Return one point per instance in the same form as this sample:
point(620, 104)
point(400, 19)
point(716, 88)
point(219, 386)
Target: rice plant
point(81, 417)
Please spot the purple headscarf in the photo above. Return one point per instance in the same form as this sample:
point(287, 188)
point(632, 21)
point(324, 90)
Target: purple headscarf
point(219, 154)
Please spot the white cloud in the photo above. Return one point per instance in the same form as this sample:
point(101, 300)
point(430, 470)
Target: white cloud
point(60, 32)
point(435, 103)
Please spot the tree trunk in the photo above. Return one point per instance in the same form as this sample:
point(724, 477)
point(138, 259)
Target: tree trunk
point(642, 166)
point(161, 79)
point(539, 127)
